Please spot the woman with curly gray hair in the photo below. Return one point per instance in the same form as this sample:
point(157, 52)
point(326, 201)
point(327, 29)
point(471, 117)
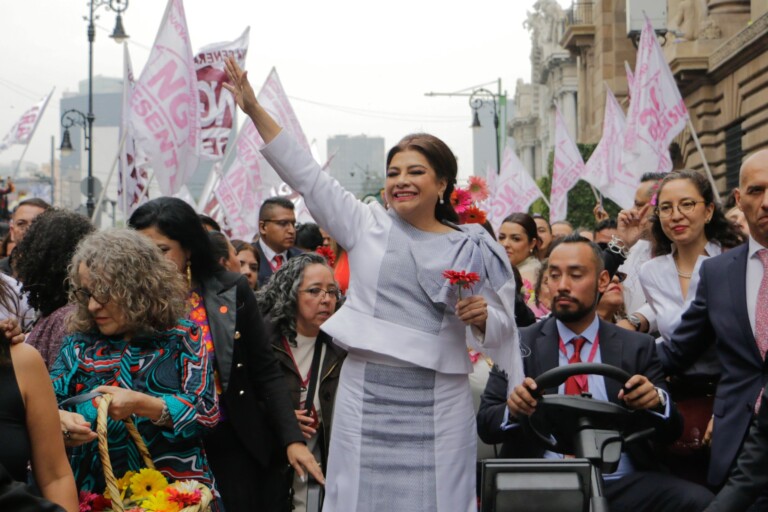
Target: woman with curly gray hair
point(128, 342)
point(297, 300)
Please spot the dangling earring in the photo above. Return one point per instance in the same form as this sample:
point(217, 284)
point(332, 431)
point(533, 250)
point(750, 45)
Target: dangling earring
point(440, 198)
point(189, 274)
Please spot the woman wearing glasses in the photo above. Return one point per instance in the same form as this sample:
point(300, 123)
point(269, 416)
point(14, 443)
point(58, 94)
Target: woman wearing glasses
point(127, 342)
point(247, 449)
point(404, 435)
point(297, 300)
point(688, 226)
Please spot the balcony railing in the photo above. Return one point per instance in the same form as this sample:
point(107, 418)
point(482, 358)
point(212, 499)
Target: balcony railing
point(580, 13)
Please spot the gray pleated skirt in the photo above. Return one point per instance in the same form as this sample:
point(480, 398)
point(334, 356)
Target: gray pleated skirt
point(403, 439)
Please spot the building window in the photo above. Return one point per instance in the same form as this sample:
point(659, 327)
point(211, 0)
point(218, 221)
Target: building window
point(733, 155)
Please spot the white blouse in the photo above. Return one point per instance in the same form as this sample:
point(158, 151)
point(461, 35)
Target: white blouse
point(661, 285)
point(399, 305)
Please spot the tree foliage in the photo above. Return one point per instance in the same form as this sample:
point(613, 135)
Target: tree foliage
point(581, 200)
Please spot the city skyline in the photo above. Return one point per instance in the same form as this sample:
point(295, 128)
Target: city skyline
point(375, 85)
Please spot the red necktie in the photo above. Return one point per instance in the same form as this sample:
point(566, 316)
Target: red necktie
point(278, 262)
point(576, 384)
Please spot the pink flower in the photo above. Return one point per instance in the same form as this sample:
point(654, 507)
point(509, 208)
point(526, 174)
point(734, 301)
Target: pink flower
point(478, 188)
point(461, 200)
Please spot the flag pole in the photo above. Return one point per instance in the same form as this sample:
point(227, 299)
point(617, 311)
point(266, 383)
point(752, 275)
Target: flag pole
point(704, 160)
point(21, 159)
point(109, 179)
point(145, 192)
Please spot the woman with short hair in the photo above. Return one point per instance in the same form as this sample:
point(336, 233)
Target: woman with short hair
point(127, 341)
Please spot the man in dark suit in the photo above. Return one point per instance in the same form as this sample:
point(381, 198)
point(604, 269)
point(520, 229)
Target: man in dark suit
point(576, 334)
point(730, 310)
point(277, 230)
point(749, 477)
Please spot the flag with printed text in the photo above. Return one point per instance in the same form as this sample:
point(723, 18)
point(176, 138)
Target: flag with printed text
point(657, 112)
point(164, 104)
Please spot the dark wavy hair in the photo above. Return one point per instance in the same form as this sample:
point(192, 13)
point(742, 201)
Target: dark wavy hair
point(719, 229)
point(178, 221)
point(43, 255)
point(442, 160)
point(278, 299)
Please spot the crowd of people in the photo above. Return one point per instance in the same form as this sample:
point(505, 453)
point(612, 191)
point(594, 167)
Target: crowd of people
point(380, 353)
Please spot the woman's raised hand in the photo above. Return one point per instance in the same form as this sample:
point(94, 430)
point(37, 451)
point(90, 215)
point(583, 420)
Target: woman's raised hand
point(240, 87)
point(246, 99)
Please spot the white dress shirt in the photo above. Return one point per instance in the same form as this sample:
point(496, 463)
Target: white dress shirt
point(754, 277)
point(269, 254)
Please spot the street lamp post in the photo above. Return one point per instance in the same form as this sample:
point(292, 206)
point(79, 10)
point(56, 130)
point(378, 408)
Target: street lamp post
point(86, 120)
point(477, 99)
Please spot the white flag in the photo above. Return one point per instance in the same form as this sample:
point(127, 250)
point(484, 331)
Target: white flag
point(657, 112)
point(250, 179)
point(513, 189)
point(217, 107)
point(568, 168)
point(22, 131)
point(164, 107)
point(604, 170)
point(131, 173)
point(630, 78)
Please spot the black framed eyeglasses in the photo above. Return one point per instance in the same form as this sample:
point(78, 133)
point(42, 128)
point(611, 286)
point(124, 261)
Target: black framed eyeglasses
point(319, 293)
point(84, 296)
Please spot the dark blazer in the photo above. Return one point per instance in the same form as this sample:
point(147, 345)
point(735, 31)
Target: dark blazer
point(719, 315)
point(630, 351)
point(265, 269)
point(749, 477)
point(330, 371)
point(254, 391)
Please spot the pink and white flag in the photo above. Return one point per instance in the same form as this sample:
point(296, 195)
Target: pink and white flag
point(513, 189)
point(567, 169)
point(250, 180)
point(217, 107)
point(630, 78)
point(164, 106)
point(132, 177)
point(22, 131)
point(603, 169)
point(657, 112)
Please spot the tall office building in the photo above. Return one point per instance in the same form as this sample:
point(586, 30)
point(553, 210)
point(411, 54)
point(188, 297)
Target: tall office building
point(357, 163)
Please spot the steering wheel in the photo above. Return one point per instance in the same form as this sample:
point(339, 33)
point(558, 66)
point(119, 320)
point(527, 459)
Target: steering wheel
point(558, 418)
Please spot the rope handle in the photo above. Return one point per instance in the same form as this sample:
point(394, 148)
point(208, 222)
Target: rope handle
point(101, 431)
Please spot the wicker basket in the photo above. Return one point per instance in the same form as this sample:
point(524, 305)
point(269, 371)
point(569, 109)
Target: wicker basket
point(109, 476)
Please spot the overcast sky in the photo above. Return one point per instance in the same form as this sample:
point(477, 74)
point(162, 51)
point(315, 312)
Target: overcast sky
point(350, 67)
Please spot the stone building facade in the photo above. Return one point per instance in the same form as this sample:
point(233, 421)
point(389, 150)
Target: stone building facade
point(715, 49)
point(554, 82)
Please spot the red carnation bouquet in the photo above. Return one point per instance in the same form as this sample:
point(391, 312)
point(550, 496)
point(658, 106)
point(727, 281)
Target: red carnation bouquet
point(462, 278)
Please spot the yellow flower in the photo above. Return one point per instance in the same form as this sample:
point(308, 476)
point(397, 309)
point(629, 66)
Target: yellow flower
point(147, 482)
point(122, 485)
point(160, 503)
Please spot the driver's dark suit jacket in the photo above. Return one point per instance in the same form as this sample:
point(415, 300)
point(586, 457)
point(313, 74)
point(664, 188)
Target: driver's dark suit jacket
point(633, 352)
